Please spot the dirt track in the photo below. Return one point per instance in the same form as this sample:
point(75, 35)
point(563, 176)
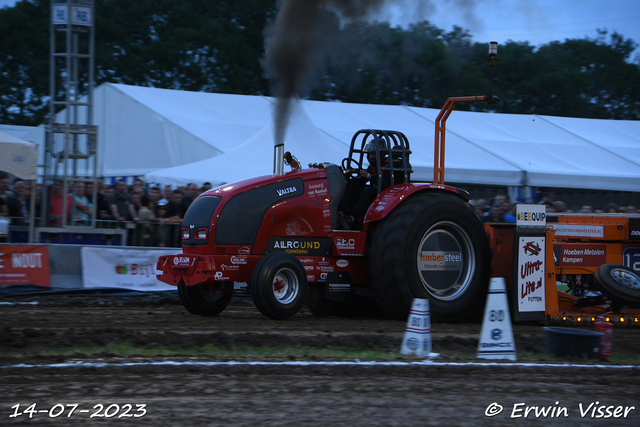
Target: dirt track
point(291, 392)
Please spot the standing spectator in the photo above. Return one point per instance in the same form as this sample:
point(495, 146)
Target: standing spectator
point(495, 214)
point(206, 187)
point(165, 219)
point(121, 205)
point(57, 200)
point(481, 207)
point(511, 214)
point(135, 199)
point(502, 200)
point(611, 208)
point(82, 206)
point(192, 193)
point(586, 208)
point(559, 206)
point(101, 201)
point(138, 186)
point(155, 195)
point(17, 199)
point(4, 211)
point(147, 233)
point(4, 186)
point(168, 193)
point(174, 203)
point(108, 191)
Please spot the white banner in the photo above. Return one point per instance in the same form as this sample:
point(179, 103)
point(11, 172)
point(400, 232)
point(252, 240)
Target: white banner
point(578, 230)
point(531, 253)
point(123, 268)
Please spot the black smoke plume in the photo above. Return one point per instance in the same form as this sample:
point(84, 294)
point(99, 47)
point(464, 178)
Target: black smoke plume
point(292, 45)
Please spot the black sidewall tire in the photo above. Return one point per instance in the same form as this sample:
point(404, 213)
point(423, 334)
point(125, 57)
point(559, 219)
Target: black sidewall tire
point(394, 257)
point(615, 290)
point(197, 299)
point(262, 285)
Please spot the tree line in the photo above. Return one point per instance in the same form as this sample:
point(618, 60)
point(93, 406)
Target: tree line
point(218, 46)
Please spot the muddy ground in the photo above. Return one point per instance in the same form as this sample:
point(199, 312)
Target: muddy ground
point(300, 390)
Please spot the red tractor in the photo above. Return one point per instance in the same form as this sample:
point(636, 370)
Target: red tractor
point(280, 235)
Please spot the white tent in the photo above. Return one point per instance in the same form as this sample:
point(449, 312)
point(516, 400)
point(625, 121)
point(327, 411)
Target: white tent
point(18, 157)
point(255, 156)
point(143, 131)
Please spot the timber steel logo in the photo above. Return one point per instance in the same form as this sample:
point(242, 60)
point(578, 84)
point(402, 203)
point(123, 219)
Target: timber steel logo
point(531, 248)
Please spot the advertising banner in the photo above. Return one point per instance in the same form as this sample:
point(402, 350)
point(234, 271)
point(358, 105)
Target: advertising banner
point(123, 268)
point(24, 265)
point(531, 274)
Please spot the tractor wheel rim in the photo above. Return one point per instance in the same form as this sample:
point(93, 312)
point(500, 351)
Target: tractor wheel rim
point(626, 278)
point(210, 292)
point(445, 260)
point(285, 286)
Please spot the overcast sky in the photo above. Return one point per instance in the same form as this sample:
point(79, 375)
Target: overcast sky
point(535, 21)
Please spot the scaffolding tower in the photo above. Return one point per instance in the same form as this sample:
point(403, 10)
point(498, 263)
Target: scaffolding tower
point(71, 143)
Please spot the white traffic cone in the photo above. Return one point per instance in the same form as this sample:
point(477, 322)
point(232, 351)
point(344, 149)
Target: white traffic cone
point(496, 339)
point(417, 337)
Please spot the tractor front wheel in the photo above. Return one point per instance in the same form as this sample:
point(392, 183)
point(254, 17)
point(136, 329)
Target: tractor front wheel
point(279, 285)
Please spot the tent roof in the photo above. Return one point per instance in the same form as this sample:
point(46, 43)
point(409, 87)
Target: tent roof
point(143, 131)
point(255, 156)
point(18, 157)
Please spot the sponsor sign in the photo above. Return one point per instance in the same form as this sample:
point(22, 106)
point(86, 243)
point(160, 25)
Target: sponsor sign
point(531, 216)
point(24, 265)
point(300, 246)
point(79, 15)
point(631, 257)
point(125, 268)
point(531, 273)
point(575, 255)
point(578, 230)
point(440, 262)
point(317, 189)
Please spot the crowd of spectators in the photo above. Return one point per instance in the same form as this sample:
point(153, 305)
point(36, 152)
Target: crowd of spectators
point(499, 209)
point(155, 212)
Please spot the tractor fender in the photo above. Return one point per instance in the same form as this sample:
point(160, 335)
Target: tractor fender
point(391, 197)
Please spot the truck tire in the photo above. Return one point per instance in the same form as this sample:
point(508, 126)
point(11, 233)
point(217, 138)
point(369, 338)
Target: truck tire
point(206, 299)
point(432, 246)
point(619, 283)
point(279, 285)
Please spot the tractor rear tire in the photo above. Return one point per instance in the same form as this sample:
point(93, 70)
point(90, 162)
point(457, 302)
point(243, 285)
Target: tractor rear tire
point(206, 299)
point(619, 283)
point(432, 246)
point(279, 285)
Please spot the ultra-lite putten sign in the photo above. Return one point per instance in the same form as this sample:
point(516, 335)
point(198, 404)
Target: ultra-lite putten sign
point(79, 15)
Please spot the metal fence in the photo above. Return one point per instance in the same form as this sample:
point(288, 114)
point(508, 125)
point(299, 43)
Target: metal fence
point(16, 230)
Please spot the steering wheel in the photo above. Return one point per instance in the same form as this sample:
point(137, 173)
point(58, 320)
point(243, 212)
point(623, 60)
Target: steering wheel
point(350, 168)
